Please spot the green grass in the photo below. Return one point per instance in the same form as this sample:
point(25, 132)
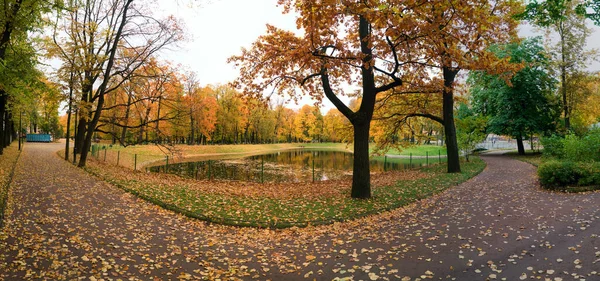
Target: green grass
point(532, 157)
point(282, 213)
point(420, 150)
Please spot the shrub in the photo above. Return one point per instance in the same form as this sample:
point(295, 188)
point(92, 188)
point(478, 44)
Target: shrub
point(592, 143)
point(553, 146)
point(559, 175)
point(573, 148)
point(555, 174)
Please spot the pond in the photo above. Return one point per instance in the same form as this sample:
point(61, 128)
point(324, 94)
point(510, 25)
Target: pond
point(298, 165)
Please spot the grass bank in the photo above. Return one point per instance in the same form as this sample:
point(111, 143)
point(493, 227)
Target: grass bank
point(282, 205)
point(8, 161)
point(419, 150)
point(532, 157)
point(137, 156)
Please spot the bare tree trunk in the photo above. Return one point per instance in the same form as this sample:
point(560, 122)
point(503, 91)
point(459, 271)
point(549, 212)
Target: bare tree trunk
point(191, 139)
point(563, 78)
point(126, 121)
point(449, 128)
point(102, 88)
point(361, 175)
point(520, 146)
point(158, 138)
point(69, 121)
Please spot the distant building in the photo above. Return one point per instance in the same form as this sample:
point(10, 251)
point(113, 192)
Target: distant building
point(595, 126)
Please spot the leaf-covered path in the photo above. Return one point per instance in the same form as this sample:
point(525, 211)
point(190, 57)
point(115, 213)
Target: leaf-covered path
point(64, 224)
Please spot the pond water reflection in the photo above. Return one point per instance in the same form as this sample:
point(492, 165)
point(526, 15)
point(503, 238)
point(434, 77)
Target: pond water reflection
point(284, 166)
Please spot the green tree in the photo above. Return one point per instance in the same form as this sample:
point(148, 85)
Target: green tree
point(18, 18)
point(566, 20)
point(524, 105)
point(470, 128)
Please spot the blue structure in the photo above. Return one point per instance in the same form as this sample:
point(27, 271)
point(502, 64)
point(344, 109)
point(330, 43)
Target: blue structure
point(39, 138)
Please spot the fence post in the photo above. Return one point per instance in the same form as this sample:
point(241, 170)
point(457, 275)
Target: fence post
point(167, 162)
point(118, 156)
point(135, 162)
point(209, 169)
point(384, 162)
point(313, 167)
point(439, 156)
point(426, 158)
point(105, 153)
point(262, 169)
point(410, 161)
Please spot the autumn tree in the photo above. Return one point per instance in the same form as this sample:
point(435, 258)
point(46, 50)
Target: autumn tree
point(400, 115)
point(202, 105)
point(452, 36)
point(348, 42)
point(232, 116)
point(142, 104)
point(304, 123)
point(335, 126)
point(111, 40)
point(285, 130)
point(584, 94)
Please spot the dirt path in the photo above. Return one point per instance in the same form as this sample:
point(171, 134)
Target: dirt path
point(64, 224)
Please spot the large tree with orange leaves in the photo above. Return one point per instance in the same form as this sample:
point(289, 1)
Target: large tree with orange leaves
point(454, 35)
point(343, 43)
point(373, 44)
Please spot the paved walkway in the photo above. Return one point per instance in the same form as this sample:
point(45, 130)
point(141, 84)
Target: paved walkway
point(64, 224)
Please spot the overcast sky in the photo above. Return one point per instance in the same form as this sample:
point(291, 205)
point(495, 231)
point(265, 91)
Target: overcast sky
point(220, 28)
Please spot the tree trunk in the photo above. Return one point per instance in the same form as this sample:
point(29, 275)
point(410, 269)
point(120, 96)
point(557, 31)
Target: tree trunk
point(158, 119)
point(520, 146)
point(91, 128)
point(449, 128)
point(361, 174)
point(531, 142)
point(563, 80)
point(140, 138)
point(69, 117)
point(191, 139)
point(126, 119)
point(7, 128)
point(75, 136)
point(102, 88)
point(81, 127)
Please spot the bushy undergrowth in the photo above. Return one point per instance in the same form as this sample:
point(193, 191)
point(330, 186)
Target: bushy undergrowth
point(572, 163)
point(574, 148)
point(563, 175)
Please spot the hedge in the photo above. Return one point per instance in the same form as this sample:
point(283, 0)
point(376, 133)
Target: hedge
point(564, 175)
